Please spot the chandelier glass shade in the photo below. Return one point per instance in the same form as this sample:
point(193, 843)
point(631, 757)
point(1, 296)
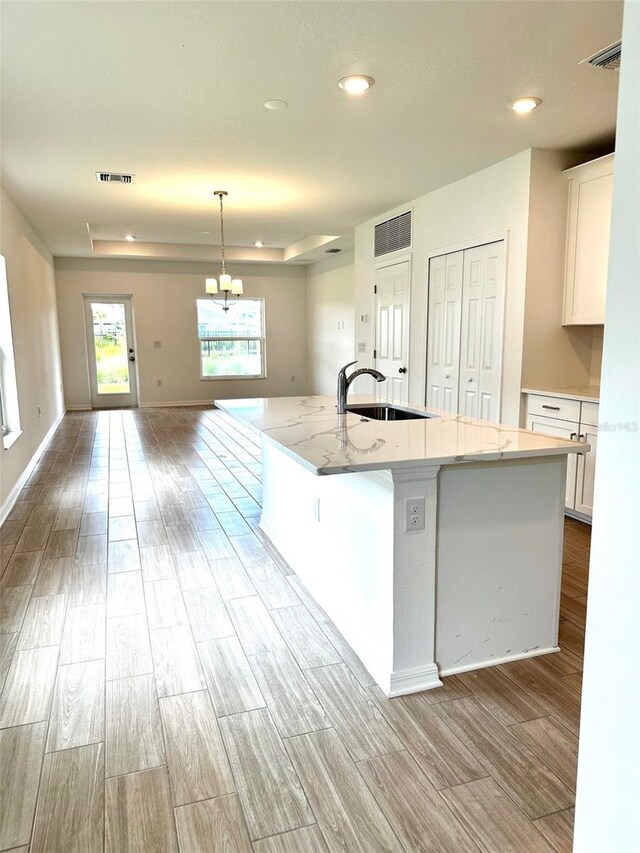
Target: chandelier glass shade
point(224, 284)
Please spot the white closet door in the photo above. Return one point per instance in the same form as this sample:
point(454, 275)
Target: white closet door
point(481, 334)
point(393, 285)
point(443, 331)
point(472, 293)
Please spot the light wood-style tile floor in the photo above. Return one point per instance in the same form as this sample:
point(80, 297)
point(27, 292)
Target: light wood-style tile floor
point(167, 684)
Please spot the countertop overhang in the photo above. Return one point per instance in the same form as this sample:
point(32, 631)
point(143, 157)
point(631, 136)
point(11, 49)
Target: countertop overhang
point(309, 430)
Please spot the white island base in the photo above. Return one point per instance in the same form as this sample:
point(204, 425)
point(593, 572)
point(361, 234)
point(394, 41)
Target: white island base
point(478, 586)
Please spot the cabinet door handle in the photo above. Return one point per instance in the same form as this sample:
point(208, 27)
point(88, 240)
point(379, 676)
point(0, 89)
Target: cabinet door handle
point(573, 435)
point(582, 437)
point(551, 408)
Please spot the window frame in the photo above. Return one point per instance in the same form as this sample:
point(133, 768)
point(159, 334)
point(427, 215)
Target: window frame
point(261, 338)
point(4, 429)
point(10, 427)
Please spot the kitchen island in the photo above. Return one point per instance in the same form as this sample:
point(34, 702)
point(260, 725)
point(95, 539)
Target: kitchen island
point(437, 548)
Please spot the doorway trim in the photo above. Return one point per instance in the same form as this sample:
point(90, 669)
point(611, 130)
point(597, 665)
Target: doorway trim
point(114, 401)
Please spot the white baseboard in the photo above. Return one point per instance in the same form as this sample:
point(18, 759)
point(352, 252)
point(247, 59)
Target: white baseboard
point(147, 405)
point(579, 516)
point(414, 680)
point(176, 403)
point(533, 653)
point(12, 497)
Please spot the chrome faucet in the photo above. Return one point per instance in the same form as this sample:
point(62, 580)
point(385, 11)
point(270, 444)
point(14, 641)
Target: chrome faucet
point(345, 381)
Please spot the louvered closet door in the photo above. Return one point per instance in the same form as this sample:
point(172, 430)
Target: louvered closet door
point(392, 331)
point(481, 332)
point(443, 331)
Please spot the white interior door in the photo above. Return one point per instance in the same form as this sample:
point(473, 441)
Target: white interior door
point(443, 331)
point(482, 332)
point(111, 351)
point(393, 285)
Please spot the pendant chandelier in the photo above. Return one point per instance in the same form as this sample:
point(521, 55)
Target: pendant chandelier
point(224, 283)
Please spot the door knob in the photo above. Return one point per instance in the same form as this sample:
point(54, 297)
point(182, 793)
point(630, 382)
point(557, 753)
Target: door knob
point(470, 379)
point(132, 358)
point(402, 370)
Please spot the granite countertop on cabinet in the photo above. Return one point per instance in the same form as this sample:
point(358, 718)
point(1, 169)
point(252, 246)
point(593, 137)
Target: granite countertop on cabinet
point(585, 393)
point(309, 430)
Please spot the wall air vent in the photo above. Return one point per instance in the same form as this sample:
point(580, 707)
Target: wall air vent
point(114, 178)
point(608, 58)
point(392, 235)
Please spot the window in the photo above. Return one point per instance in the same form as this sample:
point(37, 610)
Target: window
point(232, 343)
point(9, 412)
point(3, 424)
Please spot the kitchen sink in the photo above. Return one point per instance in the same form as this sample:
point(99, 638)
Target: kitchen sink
point(385, 412)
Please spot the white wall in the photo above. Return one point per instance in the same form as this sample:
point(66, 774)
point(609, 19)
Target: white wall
point(330, 320)
point(32, 300)
point(524, 199)
point(553, 354)
point(607, 813)
point(596, 354)
point(164, 308)
point(482, 206)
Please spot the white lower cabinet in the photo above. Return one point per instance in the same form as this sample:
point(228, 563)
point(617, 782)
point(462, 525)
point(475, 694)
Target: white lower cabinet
point(561, 429)
point(580, 466)
point(586, 472)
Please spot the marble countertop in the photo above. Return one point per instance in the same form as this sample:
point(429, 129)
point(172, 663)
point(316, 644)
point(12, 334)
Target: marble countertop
point(588, 393)
point(309, 430)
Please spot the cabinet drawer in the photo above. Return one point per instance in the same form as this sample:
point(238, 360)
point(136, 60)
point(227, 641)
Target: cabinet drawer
point(553, 407)
point(590, 414)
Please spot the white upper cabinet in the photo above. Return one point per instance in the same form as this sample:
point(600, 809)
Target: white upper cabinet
point(588, 226)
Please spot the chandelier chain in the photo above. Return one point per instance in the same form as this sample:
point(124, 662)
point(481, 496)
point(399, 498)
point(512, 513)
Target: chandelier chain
point(222, 233)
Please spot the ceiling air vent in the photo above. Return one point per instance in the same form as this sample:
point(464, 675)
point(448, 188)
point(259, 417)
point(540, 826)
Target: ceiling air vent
point(608, 58)
point(113, 178)
point(392, 235)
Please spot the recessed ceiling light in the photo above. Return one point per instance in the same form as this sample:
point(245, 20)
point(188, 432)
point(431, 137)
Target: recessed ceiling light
point(525, 105)
point(258, 244)
point(355, 84)
point(276, 105)
point(129, 237)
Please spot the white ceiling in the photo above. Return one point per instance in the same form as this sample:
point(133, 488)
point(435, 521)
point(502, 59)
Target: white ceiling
point(173, 92)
